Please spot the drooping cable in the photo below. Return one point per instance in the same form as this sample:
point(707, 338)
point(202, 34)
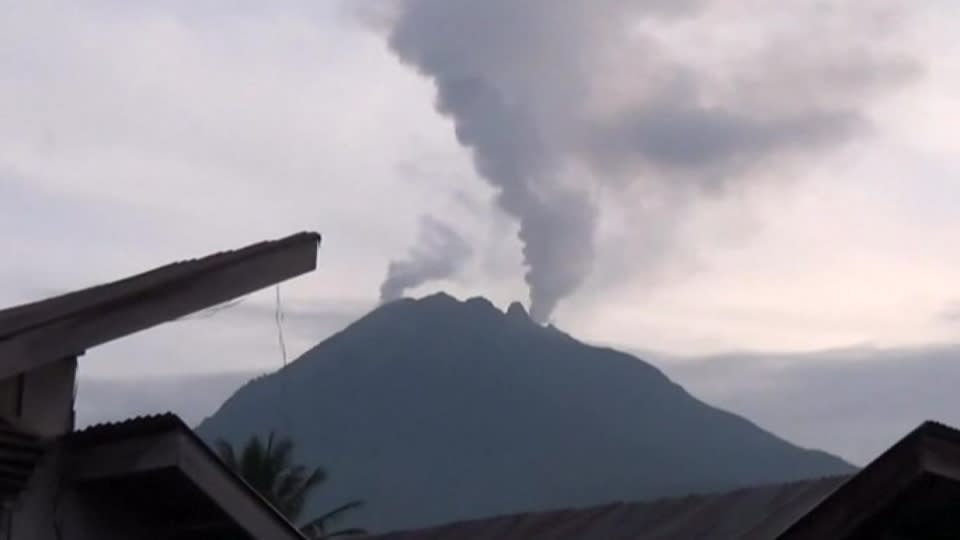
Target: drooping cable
point(278, 317)
point(285, 397)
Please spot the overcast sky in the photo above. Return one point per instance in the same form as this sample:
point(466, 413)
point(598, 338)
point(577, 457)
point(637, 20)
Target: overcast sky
point(712, 176)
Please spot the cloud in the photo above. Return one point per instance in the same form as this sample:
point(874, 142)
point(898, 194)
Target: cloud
point(318, 315)
point(240, 337)
point(192, 397)
point(201, 128)
point(855, 401)
point(136, 134)
point(950, 312)
point(713, 144)
point(557, 99)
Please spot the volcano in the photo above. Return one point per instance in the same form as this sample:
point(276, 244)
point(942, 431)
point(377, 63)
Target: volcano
point(436, 410)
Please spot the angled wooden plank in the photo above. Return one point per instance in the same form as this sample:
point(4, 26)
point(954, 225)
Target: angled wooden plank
point(42, 332)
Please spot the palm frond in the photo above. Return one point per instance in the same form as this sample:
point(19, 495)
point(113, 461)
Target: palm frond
point(289, 482)
point(282, 453)
point(335, 514)
point(267, 465)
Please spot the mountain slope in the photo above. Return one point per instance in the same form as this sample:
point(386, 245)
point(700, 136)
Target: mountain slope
point(435, 410)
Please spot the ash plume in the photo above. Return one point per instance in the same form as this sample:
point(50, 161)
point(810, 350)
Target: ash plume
point(556, 98)
point(439, 252)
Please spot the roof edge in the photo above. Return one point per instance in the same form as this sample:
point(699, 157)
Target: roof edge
point(67, 325)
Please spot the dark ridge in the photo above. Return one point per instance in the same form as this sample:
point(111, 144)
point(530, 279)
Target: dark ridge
point(436, 410)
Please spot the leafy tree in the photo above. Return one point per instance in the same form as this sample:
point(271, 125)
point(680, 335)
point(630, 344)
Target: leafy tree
point(269, 469)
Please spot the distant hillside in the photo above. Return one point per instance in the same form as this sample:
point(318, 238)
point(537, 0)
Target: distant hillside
point(436, 410)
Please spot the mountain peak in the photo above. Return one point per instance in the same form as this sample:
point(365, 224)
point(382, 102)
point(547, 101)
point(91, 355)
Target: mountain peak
point(518, 312)
point(439, 298)
point(493, 415)
point(446, 302)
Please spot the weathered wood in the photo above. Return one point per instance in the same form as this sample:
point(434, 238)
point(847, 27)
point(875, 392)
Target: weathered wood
point(43, 332)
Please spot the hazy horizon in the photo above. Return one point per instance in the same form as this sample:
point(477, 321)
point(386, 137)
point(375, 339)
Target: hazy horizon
point(691, 177)
point(772, 389)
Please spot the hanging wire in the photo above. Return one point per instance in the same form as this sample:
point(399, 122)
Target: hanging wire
point(278, 317)
point(285, 419)
point(216, 310)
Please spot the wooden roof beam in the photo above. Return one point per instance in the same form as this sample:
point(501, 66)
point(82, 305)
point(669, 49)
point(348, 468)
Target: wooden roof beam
point(65, 326)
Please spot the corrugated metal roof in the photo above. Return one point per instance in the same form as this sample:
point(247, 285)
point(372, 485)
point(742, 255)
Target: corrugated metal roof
point(759, 513)
point(144, 426)
point(910, 491)
point(132, 427)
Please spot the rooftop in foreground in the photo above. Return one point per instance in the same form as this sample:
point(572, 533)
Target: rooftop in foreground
point(912, 491)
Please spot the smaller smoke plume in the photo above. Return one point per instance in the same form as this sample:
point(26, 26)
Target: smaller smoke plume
point(440, 252)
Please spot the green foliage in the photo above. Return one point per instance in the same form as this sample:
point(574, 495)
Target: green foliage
point(269, 469)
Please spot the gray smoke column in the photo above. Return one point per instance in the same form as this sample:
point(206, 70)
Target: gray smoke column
point(557, 98)
point(439, 252)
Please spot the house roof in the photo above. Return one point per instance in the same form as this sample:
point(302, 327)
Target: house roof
point(157, 468)
point(140, 426)
point(67, 325)
point(751, 513)
point(911, 491)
